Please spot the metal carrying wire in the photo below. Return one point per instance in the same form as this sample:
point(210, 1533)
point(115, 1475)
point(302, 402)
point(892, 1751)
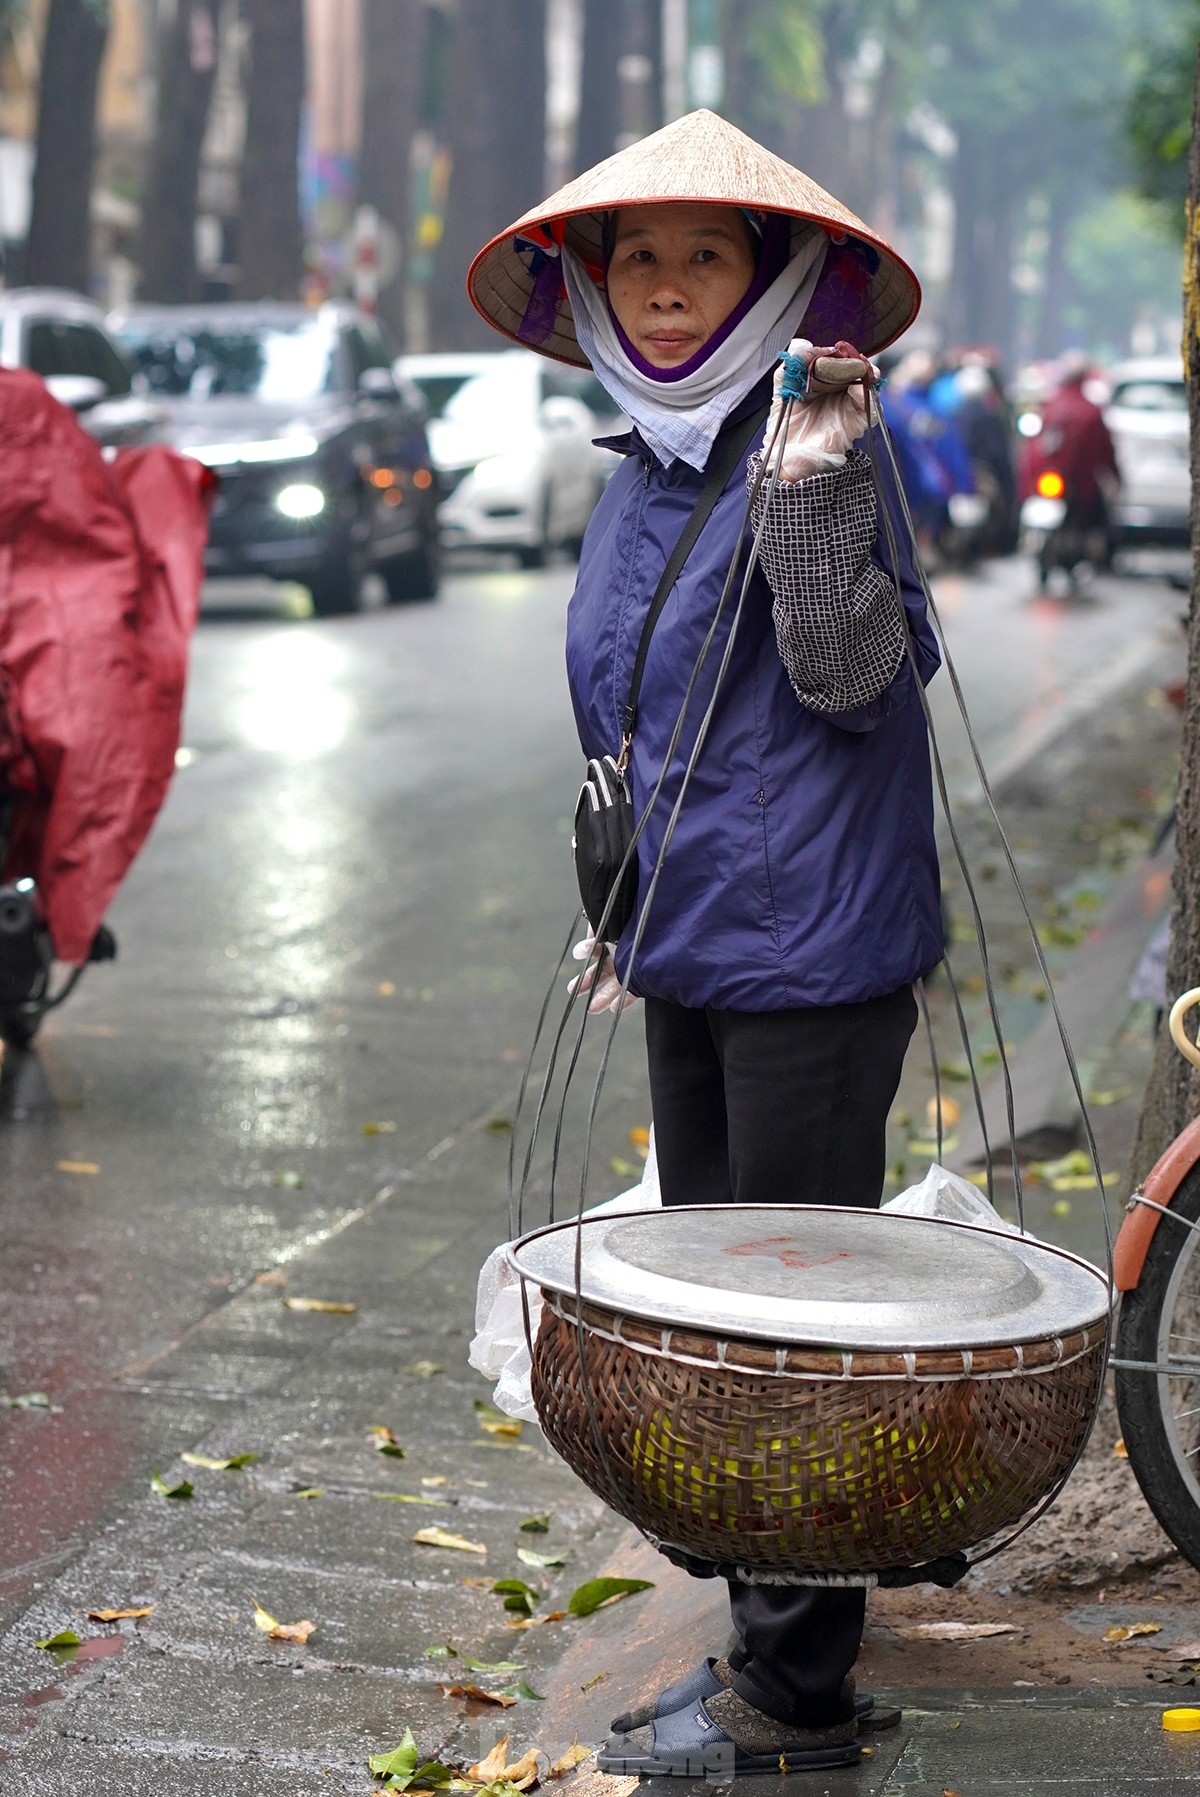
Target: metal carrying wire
point(794, 391)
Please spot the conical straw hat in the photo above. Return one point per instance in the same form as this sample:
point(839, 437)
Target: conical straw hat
point(866, 293)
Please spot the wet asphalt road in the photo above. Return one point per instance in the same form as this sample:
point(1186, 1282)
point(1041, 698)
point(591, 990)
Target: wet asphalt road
point(345, 917)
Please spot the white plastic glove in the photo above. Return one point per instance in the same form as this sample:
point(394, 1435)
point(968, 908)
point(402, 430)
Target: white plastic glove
point(822, 426)
point(599, 977)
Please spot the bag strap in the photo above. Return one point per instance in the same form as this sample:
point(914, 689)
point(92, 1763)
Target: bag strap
point(729, 449)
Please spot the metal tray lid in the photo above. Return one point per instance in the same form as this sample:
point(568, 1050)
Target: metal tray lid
point(820, 1275)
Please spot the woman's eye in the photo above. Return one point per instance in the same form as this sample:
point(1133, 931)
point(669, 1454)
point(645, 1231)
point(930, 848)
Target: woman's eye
point(706, 255)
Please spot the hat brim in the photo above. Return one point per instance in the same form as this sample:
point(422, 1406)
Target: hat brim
point(867, 293)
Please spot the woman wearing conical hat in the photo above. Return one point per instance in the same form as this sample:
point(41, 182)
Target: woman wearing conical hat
point(798, 901)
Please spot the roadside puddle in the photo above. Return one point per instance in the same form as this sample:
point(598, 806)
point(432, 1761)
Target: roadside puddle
point(73, 1661)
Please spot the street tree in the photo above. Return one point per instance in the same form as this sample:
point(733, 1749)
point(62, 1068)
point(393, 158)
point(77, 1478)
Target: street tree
point(497, 120)
point(60, 226)
point(270, 245)
point(394, 34)
point(1172, 1096)
point(187, 62)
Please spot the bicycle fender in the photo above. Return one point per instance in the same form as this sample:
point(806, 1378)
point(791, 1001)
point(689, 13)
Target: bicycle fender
point(1160, 1184)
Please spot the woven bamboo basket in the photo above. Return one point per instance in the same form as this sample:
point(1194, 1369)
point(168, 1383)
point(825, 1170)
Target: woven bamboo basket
point(803, 1460)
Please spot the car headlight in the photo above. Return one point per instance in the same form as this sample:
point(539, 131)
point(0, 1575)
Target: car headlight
point(300, 500)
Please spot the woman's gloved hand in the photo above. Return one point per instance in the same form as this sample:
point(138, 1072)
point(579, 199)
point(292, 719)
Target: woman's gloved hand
point(827, 421)
point(599, 977)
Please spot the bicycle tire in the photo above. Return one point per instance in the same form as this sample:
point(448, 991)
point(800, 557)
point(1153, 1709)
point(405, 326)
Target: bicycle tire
point(1165, 1458)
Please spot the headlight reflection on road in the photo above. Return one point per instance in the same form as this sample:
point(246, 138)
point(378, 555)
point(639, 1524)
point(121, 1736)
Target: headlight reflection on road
point(293, 700)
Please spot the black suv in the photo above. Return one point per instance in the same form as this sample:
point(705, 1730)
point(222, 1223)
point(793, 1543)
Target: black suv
point(324, 466)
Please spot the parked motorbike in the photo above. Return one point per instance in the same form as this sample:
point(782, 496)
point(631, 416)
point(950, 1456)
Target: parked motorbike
point(99, 593)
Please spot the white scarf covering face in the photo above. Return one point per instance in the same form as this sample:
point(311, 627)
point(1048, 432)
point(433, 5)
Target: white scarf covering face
point(683, 418)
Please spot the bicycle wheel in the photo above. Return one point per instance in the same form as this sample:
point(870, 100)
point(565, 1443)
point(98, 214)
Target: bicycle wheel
point(1159, 1412)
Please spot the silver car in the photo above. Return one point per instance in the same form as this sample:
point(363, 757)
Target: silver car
point(63, 337)
point(1148, 418)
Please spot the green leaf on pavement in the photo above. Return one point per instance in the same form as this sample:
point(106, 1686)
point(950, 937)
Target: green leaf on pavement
point(590, 1596)
point(29, 1400)
point(233, 1464)
point(624, 1169)
point(524, 1689)
point(390, 1448)
point(493, 1665)
point(161, 1489)
point(64, 1638)
point(517, 1595)
point(311, 1491)
point(531, 1559)
point(536, 1525)
point(442, 1651)
point(401, 1762)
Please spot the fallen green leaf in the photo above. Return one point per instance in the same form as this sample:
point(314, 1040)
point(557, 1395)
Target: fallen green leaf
point(536, 1525)
point(1117, 1095)
point(311, 1491)
point(442, 1651)
point(518, 1596)
point(64, 1638)
point(589, 1596)
point(527, 1555)
point(522, 1688)
point(231, 1465)
point(955, 1070)
point(498, 1126)
point(161, 1489)
point(391, 1448)
point(493, 1665)
point(29, 1400)
point(401, 1762)
point(624, 1169)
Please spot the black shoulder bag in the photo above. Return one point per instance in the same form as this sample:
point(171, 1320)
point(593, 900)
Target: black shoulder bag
point(604, 814)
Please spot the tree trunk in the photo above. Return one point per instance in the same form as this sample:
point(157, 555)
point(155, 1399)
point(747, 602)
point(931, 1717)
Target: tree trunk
point(498, 127)
point(270, 234)
point(60, 227)
point(1172, 1096)
point(600, 90)
point(187, 65)
point(393, 58)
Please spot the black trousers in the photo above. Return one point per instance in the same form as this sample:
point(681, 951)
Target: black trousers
point(780, 1107)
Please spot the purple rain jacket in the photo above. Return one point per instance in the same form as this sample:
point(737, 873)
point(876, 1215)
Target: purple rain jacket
point(802, 871)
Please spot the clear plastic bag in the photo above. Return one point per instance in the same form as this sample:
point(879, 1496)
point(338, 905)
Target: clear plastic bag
point(944, 1194)
point(499, 1350)
point(821, 429)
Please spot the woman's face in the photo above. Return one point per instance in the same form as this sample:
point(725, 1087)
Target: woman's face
point(677, 272)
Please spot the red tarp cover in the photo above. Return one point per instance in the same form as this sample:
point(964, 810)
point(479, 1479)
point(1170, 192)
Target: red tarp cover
point(100, 571)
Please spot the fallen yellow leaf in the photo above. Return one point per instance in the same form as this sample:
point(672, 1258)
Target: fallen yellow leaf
point(293, 1631)
point(1120, 1451)
point(263, 1619)
point(1133, 1631)
point(574, 1756)
point(379, 1129)
point(270, 1279)
point(381, 1432)
point(328, 1305)
point(956, 1631)
point(434, 1537)
point(78, 1166)
point(493, 1766)
point(118, 1615)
